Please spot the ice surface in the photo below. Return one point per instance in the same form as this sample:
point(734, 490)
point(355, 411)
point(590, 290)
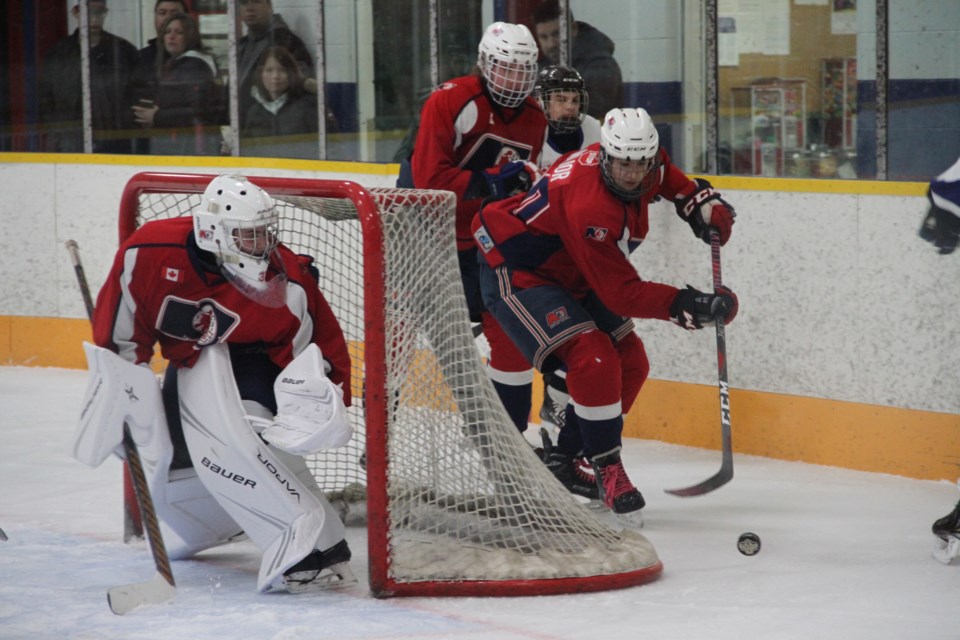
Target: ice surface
point(845, 555)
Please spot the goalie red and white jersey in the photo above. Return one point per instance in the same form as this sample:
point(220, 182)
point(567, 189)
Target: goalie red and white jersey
point(570, 230)
point(463, 131)
point(159, 291)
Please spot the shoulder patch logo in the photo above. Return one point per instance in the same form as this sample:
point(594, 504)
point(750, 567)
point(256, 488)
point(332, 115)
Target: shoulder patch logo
point(171, 274)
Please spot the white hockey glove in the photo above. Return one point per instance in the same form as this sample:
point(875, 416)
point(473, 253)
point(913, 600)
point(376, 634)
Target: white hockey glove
point(310, 410)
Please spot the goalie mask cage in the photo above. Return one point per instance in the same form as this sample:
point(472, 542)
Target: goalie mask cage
point(457, 502)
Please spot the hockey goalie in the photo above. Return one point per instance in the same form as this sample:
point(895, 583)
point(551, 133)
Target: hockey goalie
point(258, 376)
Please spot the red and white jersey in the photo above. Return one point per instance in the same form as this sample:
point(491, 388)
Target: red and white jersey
point(571, 231)
point(159, 291)
point(463, 131)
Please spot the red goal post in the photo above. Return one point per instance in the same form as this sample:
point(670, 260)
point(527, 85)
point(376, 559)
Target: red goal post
point(455, 501)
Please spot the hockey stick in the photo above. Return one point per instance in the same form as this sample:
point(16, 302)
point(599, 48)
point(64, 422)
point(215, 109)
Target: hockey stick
point(3, 536)
point(725, 474)
point(132, 522)
point(161, 587)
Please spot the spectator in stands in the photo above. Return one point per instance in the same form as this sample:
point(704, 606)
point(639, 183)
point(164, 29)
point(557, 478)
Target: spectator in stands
point(112, 62)
point(145, 78)
point(183, 111)
point(264, 29)
point(282, 121)
point(591, 53)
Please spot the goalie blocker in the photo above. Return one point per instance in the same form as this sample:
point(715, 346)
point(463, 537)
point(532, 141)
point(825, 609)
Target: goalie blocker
point(238, 484)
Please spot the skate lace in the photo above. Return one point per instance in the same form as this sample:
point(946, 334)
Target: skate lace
point(615, 482)
point(580, 466)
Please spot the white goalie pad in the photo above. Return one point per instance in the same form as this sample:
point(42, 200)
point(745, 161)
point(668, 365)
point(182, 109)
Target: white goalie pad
point(262, 494)
point(121, 392)
point(310, 410)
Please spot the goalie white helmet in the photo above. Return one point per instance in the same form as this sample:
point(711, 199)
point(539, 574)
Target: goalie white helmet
point(508, 61)
point(238, 223)
point(629, 153)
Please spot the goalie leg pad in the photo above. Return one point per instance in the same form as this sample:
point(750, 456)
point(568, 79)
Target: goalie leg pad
point(121, 392)
point(281, 514)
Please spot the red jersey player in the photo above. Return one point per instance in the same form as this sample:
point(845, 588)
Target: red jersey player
point(558, 279)
point(480, 137)
point(220, 277)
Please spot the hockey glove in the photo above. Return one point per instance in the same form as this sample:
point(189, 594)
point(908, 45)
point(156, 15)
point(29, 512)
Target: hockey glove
point(702, 208)
point(942, 228)
point(504, 181)
point(693, 309)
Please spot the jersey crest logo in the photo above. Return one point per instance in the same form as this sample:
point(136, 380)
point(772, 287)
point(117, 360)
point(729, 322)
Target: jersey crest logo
point(507, 154)
point(557, 316)
point(588, 158)
point(596, 233)
point(204, 322)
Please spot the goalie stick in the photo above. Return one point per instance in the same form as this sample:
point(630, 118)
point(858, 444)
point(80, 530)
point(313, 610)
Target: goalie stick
point(725, 474)
point(161, 587)
point(132, 522)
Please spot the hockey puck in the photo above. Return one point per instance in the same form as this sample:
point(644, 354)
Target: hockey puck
point(748, 544)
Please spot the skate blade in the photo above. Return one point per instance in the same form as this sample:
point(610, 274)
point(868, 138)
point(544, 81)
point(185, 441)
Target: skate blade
point(632, 519)
point(947, 551)
point(334, 577)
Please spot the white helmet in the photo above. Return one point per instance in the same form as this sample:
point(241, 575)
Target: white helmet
point(508, 61)
point(238, 223)
point(629, 134)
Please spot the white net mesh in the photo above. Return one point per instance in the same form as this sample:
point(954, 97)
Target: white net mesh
point(467, 499)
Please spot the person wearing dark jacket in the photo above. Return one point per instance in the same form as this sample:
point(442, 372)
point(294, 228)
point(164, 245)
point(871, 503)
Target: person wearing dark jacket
point(282, 121)
point(591, 54)
point(183, 111)
point(143, 84)
point(112, 61)
point(264, 29)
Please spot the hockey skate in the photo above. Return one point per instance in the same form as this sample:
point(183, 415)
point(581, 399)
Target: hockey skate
point(569, 471)
point(616, 491)
point(321, 570)
point(947, 532)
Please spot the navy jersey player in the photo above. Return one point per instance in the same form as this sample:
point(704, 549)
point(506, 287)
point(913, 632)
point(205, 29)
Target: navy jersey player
point(558, 278)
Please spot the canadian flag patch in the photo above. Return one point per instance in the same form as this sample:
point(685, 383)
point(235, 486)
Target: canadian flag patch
point(171, 274)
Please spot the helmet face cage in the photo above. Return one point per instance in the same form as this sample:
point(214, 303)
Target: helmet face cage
point(558, 85)
point(508, 61)
point(629, 145)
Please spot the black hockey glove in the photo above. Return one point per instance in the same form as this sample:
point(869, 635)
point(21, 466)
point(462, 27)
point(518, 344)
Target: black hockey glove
point(693, 309)
point(942, 228)
point(702, 208)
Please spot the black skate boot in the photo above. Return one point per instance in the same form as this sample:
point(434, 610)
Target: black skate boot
point(321, 570)
point(948, 525)
point(565, 468)
point(947, 531)
point(616, 491)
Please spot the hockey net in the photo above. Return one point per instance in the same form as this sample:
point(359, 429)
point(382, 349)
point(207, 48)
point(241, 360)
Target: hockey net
point(457, 502)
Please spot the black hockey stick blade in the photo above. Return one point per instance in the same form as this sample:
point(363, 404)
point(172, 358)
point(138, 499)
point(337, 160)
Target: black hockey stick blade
point(3, 536)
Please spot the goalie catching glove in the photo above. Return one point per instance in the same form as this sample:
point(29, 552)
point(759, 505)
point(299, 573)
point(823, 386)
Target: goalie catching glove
point(693, 309)
point(310, 410)
point(701, 206)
